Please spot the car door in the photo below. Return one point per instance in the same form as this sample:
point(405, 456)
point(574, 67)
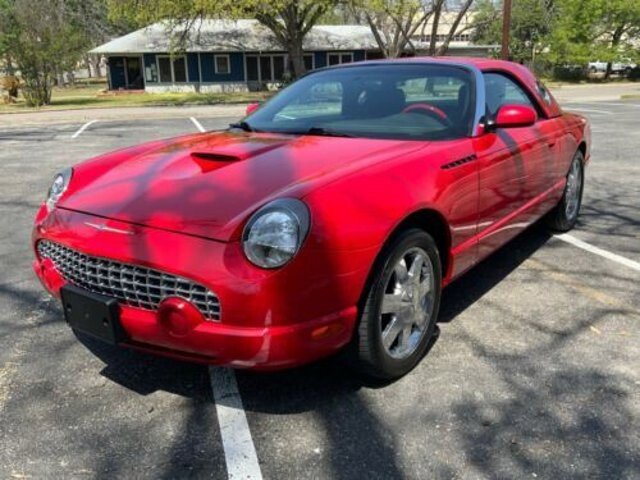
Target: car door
point(515, 166)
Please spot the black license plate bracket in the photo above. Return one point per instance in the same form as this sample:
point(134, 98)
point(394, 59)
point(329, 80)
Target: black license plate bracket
point(92, 314)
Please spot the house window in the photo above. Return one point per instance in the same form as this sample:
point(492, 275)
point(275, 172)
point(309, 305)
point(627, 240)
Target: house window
point(252, 69)
point(180, 70)
point(172, 70)
point(222, 65)
point(266, 68)
point(309, 63)
point(278, 68)
point(164, 67)
point(339, 58)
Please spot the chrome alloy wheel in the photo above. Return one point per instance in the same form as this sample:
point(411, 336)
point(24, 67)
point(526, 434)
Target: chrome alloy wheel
point(407, 305)
point(573, 190)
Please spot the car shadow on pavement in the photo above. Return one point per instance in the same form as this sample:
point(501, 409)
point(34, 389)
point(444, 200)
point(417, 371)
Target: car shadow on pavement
point(466, 290)
point(146, 374)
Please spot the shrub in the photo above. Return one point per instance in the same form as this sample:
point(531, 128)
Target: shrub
point(634, 74)
point(11, 84)
point(569, 73)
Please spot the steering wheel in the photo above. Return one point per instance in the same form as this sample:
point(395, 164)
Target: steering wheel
point(427, 109)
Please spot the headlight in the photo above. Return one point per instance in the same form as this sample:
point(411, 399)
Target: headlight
point(58, 187)
point(275, 233)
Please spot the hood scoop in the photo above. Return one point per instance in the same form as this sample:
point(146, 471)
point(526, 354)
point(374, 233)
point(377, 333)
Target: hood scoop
point(214, 157)
point(209, 161)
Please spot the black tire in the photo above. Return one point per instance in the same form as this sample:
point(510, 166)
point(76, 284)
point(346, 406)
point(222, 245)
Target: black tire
point(561, 218)
point(368, 354)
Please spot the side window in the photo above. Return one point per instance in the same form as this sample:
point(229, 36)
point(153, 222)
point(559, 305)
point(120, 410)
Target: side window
point(544, 93)
point(501, 90)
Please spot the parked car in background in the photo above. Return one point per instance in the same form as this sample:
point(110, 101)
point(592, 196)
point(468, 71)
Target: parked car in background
point(622, 67)
point(329, 219)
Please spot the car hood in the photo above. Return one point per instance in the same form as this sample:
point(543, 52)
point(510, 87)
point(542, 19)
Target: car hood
point(207, 185)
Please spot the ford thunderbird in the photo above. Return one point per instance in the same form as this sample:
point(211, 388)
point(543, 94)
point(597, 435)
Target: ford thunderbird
point(328, 220)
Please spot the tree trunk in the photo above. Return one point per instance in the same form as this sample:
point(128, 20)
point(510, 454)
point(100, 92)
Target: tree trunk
point(296, 57)
point(292, 37)
point(377, 35)
point(87, 63)
point(452, 30)
point(434, 27)
point(607, 72)
point(615, 42)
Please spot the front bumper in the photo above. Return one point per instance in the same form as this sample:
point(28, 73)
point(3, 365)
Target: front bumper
point(270, 319)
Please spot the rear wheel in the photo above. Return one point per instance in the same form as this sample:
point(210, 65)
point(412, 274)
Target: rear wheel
point(564, 216)
point(399, 315)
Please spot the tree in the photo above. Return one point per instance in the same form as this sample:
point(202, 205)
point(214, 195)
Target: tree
point(288, 20)
point(487, 23)
point(43, 38)
point(92, 17)
point(7, 36)
point(453, 28)
point(564, 32)
point(596, 29)
point(531, 23)
point(395, 23)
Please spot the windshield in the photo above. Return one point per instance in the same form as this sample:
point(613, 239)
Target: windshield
point(412, 102)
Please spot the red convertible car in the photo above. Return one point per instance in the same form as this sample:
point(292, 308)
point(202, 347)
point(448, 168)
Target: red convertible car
point(329, 219)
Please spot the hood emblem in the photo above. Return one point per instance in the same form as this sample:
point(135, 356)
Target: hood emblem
point(104, 228)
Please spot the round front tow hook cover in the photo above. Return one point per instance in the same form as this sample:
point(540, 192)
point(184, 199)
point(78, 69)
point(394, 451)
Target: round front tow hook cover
point(178, 316)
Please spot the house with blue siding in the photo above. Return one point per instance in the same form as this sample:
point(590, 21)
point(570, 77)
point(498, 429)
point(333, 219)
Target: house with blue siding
point(229, 56)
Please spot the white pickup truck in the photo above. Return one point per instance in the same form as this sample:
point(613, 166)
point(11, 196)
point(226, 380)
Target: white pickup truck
point(616, 67)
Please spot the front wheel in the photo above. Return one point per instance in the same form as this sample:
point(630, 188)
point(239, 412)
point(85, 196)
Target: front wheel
point(564, 215)
point(401, 307)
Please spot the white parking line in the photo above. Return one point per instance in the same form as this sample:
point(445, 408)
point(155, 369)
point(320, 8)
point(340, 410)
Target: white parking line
point(621, 104)
point(239, 451)
point(198, 124)
point(599, 251)
point(590, 110)
point(83, 128)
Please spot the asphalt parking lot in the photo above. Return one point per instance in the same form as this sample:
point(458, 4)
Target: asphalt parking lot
point(535, 374)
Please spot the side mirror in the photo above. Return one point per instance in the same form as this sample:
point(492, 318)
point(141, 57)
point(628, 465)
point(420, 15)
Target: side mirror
point(513, 116)
point(252, 107)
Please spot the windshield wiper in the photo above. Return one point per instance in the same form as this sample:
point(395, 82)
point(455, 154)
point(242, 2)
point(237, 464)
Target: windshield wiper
point(326, 132)
point(242, 126)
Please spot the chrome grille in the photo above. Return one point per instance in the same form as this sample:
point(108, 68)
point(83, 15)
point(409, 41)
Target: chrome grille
point(131, 285)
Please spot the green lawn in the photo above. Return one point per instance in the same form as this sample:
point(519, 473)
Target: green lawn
point(93, 96)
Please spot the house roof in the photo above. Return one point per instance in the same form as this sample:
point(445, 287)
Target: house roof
point(238, 35)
